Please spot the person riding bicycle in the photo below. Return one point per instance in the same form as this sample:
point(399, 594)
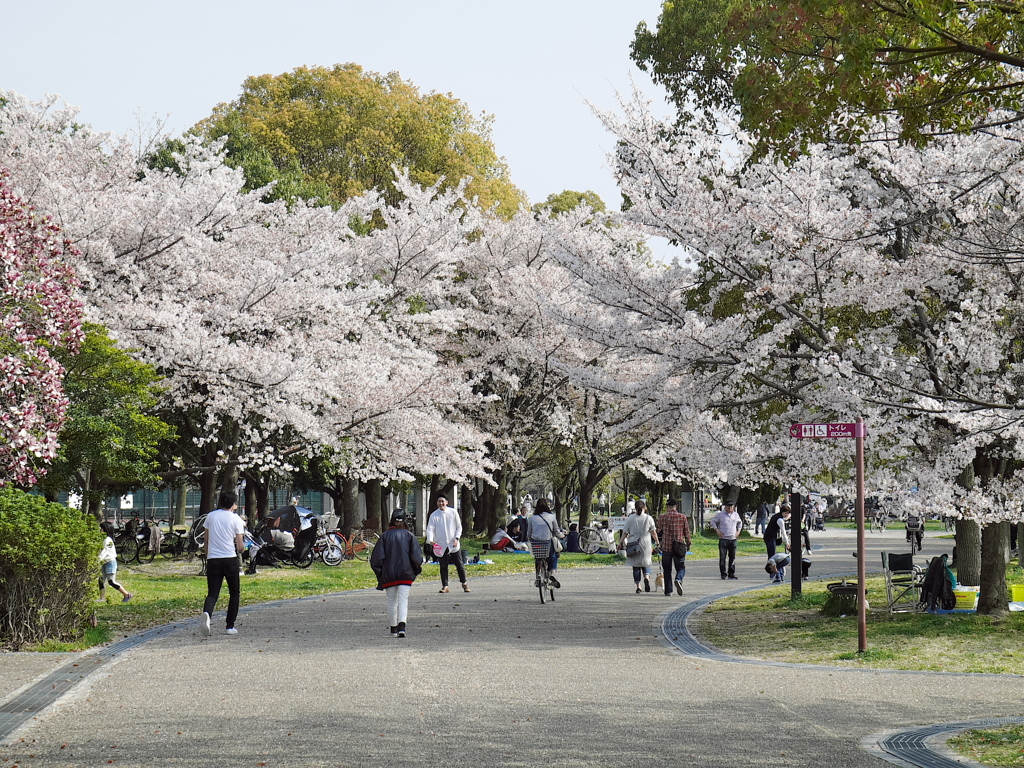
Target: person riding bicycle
point(543, 527)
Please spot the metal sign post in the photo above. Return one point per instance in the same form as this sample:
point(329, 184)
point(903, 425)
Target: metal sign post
point(858, 431)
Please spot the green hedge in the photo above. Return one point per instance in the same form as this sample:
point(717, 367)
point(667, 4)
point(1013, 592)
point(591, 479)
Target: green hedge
point(48, 569)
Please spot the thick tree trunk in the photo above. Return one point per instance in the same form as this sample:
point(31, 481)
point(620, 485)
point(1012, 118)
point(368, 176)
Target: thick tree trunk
point(995, 542)
point(351, 517)
point(968, 553)
point(374, 506)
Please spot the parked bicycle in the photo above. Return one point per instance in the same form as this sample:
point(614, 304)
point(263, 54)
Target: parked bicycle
point(591, 540)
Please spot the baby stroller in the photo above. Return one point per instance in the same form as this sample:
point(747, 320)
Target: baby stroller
point(284, 537)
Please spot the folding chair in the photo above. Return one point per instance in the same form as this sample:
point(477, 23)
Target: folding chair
point(902, 582)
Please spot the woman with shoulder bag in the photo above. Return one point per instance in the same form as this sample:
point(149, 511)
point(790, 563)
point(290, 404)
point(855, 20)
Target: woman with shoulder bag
point(638, 534)
point(543, 526)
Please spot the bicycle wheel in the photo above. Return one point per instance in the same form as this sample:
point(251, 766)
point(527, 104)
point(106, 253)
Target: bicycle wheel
point(127, 550)
point(334, 550)
point(305, 562)
point(361, 547)
point(146, 553)
point(590, 541)
point(541, 570)
point(198, 531)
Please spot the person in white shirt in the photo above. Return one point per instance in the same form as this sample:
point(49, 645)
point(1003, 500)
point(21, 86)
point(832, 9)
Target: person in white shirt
point(108, 562)
point(221, 547)
point(727, 524)
point(444, 529)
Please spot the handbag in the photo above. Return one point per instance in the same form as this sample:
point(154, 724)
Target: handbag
point(633, 548)
point(556, 543)
point(679, 548)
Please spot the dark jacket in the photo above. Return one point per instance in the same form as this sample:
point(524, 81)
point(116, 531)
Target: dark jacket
point(396, 558)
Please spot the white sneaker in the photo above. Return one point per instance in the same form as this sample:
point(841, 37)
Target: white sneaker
point(231, 631)
point(204, 624)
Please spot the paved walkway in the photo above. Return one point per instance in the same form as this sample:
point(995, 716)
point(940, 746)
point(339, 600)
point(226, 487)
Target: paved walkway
point(491, 678)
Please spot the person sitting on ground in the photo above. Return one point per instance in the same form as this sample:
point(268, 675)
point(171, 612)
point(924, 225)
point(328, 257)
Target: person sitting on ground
point(572, 539)
point(502, 542)
point(517, 526)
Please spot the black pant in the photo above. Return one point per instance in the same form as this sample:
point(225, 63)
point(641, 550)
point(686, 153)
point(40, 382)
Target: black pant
point(727, 549)
point(455, 558)
point(668, 561)
point(219, 570)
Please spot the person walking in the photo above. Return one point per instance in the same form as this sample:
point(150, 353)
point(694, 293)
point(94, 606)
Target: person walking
point(544, 527)
point(108, 565)
point(397, 560)
point(727, 524)
point(674, 536)
point(762, 519)
point(444, 530)
point(637, 534)
point(775, 534)
point(221, 548)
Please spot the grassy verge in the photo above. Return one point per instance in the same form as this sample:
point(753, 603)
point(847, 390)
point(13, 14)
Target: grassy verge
point(767, 624)
point(999, 746)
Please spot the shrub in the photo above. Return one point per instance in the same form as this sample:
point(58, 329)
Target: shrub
point(48, 569)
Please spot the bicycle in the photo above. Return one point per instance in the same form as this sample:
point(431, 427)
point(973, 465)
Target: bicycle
point(361, 545)
point(879, 521)
point(590, 540)
point(542, 573)
point(330, 546)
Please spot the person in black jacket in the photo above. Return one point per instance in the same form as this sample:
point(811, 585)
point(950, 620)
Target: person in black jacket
point(397, 561)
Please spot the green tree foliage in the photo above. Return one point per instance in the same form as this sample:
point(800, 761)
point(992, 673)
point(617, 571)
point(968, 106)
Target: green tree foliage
point(791, 67)
point(568, 200)
point(333, 133)
point(48, 568)
point(111, 439)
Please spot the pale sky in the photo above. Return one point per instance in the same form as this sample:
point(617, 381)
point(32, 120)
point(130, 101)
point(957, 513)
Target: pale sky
point(530, 63)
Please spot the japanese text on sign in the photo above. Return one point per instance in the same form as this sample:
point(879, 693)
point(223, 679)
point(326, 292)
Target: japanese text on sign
point(826, 430)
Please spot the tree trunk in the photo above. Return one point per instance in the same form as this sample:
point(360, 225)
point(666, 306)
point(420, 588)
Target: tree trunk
point(374, 503)
point(351, 518)
point(968, 553)
point(180, 497)
point(995, 541)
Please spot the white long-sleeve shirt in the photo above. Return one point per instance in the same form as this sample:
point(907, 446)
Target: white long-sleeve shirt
point(444, 528)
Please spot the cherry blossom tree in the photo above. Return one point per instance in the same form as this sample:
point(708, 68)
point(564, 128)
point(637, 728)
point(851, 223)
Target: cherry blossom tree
point(878, 280)
point(39, 314)
point(276, 329)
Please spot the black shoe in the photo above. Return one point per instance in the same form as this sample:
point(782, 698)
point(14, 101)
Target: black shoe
point(554, 582)
point(401, 629)
point(394, 630)
point(734, 578)
point(724, 577)
point(638, 590)
point(647, 585)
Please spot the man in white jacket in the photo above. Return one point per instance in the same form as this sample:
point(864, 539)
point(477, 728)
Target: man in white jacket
point(444, 529)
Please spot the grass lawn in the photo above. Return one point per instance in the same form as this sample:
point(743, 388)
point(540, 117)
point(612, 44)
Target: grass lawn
point(1001, 746)
point(767, 624)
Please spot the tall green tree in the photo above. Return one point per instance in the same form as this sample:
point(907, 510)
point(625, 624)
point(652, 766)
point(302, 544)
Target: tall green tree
point(111, 439)
point(792, 67)
point(333, 133)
